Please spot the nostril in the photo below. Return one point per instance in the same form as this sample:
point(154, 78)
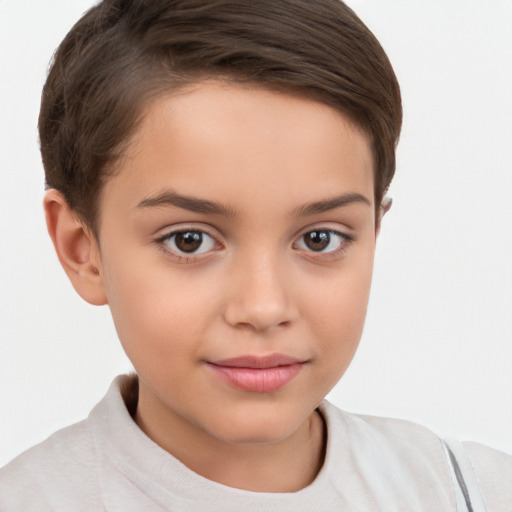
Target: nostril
point(259, 317)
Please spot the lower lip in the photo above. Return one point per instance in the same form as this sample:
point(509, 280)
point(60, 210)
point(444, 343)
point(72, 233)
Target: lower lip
point(257, 380)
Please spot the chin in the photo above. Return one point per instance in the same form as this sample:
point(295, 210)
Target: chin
point(252, 429)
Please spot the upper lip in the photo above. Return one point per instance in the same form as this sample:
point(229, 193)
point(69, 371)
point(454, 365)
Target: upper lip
point(253, 361)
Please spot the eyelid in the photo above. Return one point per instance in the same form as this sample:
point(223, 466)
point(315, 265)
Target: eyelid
point(178, 227)
point(170, 231)
point(347, 240)
point(335, 232)
point(333, 227)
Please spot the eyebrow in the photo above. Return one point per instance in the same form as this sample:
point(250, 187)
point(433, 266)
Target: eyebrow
point(331, 204)
point(193, 204)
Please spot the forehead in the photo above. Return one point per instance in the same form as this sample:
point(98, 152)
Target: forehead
point(235, 143)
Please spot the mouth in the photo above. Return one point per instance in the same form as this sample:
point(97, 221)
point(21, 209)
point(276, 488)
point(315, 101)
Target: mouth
point(257, 374)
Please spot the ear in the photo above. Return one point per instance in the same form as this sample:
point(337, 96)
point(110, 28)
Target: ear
point(76, 247)
point(384, 208)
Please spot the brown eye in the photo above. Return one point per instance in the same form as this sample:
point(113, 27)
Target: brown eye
point(325, 241)
point(189, 242)
point(317, 240)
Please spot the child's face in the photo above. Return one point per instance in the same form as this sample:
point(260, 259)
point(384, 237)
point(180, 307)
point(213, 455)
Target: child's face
point(241, 225)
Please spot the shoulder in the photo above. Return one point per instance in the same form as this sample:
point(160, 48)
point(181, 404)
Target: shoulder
point(52, 474)
point(400, 437)
point(412, 453)
point(63, 472)
point(493, 472)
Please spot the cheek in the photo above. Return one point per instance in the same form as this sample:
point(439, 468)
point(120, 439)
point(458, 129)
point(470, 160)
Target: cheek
point(162, 318)
point(340, 312)
point(155, 312)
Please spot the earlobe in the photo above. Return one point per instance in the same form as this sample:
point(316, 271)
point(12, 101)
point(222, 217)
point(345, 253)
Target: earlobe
point(76, 247)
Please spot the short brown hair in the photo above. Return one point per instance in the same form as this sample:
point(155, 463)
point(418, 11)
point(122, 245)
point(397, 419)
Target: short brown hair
point(122, 52)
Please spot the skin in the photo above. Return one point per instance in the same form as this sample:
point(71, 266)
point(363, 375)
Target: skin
point(254, 287)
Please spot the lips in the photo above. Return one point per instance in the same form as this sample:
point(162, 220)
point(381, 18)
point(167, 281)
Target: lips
point(257, 374)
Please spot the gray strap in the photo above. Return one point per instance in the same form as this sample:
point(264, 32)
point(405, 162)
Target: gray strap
point(467, 492)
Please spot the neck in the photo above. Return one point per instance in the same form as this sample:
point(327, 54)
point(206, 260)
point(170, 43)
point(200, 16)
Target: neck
point(284, 466)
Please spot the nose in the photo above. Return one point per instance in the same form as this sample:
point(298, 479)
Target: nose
point(261, 296)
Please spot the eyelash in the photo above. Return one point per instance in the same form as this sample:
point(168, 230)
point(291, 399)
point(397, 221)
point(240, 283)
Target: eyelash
point(344, 242)
point(183, 257)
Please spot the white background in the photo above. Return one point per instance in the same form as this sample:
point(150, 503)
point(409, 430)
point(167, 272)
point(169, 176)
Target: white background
point(437, 347)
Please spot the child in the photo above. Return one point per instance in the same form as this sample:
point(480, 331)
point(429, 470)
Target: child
point(217, 175)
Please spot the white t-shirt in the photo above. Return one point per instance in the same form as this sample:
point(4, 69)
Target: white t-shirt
point(106, 463)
